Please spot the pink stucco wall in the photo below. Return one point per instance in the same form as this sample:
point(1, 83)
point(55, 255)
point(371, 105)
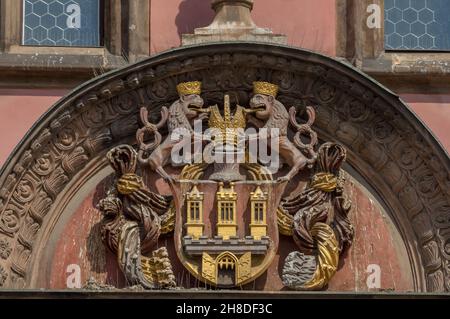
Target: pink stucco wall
point(309, 24)
point(19, 109)
point(434, 111)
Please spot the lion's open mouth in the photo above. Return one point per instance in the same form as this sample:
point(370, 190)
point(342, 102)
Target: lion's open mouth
point(195, 107)
point(259, 108)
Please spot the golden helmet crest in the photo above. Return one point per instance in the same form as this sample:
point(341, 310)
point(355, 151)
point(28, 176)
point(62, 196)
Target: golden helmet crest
point(265, 88)
point(187, 88)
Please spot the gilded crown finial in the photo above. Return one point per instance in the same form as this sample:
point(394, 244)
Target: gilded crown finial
point(265, 88)
point(228, 121)
point(187, 88)
point(228, 124)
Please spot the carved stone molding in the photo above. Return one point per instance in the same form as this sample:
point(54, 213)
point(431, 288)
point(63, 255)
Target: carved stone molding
point(386, 143)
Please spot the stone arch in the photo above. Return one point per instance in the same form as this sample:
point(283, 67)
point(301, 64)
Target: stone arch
point(388, 145)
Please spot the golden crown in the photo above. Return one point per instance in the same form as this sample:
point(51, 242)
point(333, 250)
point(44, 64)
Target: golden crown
point(187, 88)
point(265, 88)
point(228, 124)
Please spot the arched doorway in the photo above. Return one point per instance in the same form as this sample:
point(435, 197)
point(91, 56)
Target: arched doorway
point(227, 268)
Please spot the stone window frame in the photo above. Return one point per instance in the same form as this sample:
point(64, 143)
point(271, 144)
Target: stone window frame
point(125, 39)
point(402, 71)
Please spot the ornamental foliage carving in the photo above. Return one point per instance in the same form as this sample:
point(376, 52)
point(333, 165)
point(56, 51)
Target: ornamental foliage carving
point(384, 142)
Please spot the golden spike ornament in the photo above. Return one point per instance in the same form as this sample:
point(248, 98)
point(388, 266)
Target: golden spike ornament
point(228, 124)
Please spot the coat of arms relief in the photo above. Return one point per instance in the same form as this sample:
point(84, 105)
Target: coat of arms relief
point(235, 191)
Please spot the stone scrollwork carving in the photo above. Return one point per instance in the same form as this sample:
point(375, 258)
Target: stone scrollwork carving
point(3, 276)
point(400, 159)
point(320, 224)
point(132, 221)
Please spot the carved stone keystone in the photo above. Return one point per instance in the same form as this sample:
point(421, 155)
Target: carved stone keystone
point(233, 22)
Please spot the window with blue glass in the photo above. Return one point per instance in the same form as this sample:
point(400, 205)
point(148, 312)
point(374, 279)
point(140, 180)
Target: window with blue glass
point(417, 25)
point(73, 23)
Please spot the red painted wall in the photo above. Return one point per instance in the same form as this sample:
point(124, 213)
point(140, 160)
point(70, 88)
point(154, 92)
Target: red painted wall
point(19, 110)
point(434, 111)
point(308, 24)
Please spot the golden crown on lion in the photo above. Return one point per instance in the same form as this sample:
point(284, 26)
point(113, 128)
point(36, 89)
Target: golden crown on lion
point(188, 88)
point(265, 88)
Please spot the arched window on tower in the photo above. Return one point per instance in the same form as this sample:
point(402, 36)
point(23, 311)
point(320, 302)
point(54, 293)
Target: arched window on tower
point(194, 213)
point(258, 209)
point(226, 211)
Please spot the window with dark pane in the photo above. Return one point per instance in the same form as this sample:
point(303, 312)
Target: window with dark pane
point(195, 211)
point(227, 210)
point(417, 25)
point(73, 23)
point(259, 213)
